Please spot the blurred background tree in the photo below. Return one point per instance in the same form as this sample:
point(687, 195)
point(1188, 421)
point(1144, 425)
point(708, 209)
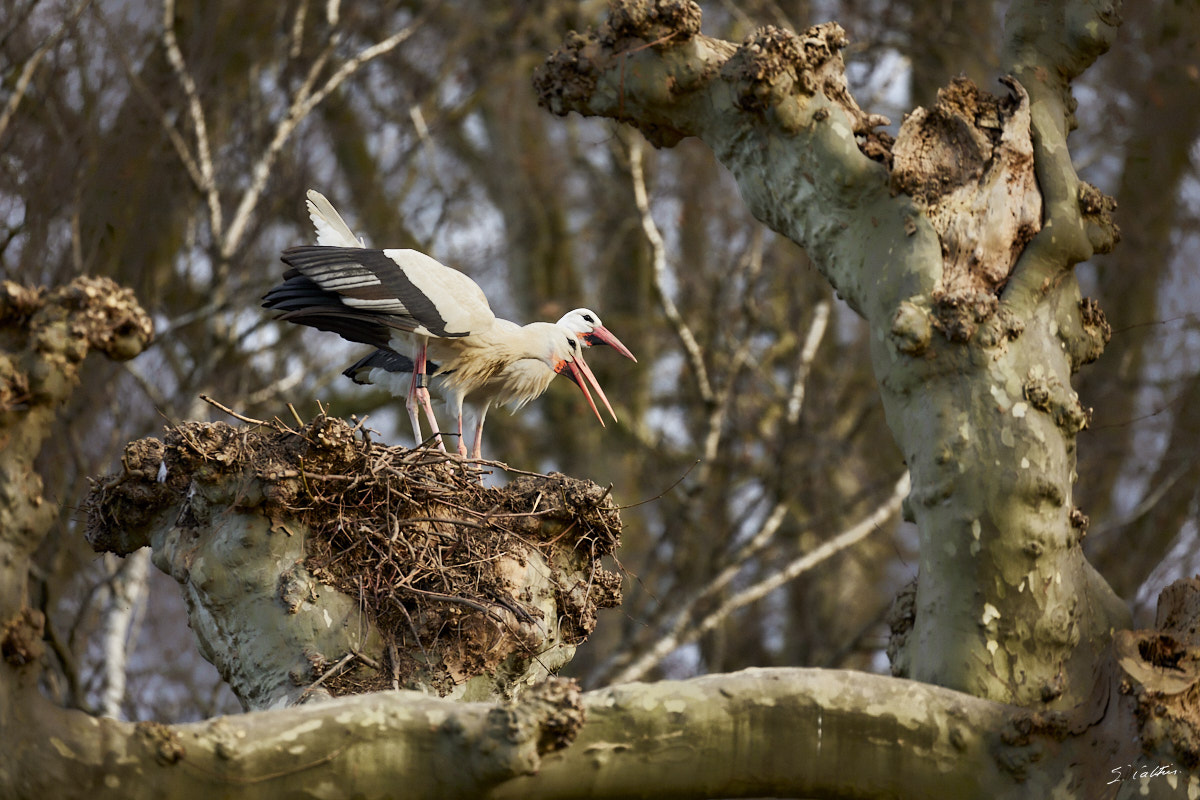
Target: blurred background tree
point(168, 146)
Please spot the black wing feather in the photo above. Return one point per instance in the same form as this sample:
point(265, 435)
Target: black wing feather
point(384, 359)
point(305, 303)
point(355, 273)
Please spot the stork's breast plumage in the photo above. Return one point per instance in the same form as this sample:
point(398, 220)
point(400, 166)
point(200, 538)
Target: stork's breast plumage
point(504, 382)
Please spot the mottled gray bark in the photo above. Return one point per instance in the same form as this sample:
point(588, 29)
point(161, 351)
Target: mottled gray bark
point(44, 338)
point(977, 317)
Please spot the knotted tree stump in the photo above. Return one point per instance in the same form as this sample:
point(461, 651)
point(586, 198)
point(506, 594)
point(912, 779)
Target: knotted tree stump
point(317, 563)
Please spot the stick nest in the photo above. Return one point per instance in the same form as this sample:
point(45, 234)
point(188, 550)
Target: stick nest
point(457, 577)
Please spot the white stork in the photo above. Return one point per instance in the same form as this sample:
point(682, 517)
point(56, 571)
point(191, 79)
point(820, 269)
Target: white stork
point(393, 371)
point(386, 298)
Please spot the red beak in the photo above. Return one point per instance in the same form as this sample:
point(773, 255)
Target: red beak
point(579, 372)
point(602, 335)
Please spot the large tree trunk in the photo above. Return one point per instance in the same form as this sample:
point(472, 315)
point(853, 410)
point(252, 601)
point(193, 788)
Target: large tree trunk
point(977, 317)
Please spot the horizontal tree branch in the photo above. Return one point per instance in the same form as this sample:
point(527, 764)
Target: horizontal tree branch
point(759, 732)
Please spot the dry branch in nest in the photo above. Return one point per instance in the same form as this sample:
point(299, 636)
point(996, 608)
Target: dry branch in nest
point(370, 567)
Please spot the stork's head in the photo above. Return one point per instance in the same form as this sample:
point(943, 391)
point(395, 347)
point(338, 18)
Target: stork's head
point(565, 357)
point(586, 325)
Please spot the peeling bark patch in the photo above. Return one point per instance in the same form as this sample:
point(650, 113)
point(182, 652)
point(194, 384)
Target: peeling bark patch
point(1096, 334)
point(959, 314)
point(774, 64)
point(163, 740)
point(557, 707)
point(912, 328)
point(1047, 393)
point(1097, 209)
point(677, 20)
point(1079, 521)
point(968, 162)
point(1162, 674)
point(21, 638)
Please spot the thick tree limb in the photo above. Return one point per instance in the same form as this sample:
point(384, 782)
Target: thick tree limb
point(777, 113)
point(47, 335)
point(786, 732)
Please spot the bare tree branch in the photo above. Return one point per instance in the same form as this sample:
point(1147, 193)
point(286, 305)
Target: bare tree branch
point(804, 563)
point(658, 253)
point(31, 65)
point(139, 86)
point(203, 156)
point(126, 596)
point(812, 340)
point(297, 33)
point(301, 106)
point(685, 631)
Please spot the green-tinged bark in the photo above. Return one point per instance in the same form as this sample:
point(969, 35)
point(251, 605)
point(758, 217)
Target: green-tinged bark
point(976, 335)
point(44, 338)
point(786, 732)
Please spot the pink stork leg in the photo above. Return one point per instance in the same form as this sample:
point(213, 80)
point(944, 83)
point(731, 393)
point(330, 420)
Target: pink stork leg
point(477, 447)
point(418, 394)
point(455, 407)
point(462, 443)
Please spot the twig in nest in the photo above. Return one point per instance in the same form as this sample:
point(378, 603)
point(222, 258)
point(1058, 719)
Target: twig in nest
point(315, 684)
point(449, 598)
point(231, 412)
point(394, 653)
point(370, 662)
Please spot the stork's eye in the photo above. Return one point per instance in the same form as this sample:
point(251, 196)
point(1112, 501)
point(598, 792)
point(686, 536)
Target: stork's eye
point(571, 343)
point(588, 318)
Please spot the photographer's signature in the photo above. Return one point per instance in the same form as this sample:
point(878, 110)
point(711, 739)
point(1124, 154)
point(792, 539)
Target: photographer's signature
point(1132, 772)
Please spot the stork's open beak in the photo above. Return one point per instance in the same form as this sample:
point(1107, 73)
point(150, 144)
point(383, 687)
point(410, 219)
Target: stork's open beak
point(579, 372)
point(602, 335)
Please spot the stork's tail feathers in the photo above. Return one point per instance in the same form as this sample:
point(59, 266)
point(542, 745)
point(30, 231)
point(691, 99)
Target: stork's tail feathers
point(332, 230)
